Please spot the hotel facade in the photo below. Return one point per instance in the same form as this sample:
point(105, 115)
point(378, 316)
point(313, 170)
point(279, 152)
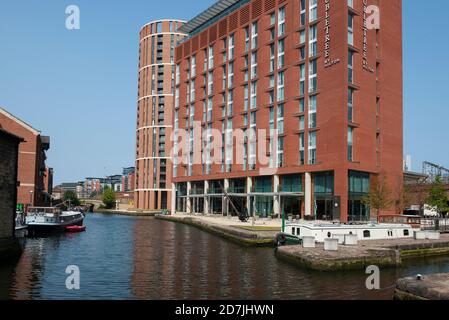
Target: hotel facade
point(153, 185)
point(324, 75)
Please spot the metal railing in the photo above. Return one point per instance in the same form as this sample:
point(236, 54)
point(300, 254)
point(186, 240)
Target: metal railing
point(435, 224)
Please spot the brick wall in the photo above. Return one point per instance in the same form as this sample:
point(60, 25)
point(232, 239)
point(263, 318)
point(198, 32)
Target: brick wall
point(8, 184)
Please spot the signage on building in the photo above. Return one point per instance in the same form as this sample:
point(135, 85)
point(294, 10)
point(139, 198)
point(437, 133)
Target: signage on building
point(328, 61)
point(366, 65)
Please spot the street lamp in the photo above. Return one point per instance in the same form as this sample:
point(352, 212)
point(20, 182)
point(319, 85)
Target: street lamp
point(31, 197)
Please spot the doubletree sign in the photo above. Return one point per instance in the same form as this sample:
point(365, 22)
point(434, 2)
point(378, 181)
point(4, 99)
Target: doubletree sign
point(371, 20)
point(328, 61)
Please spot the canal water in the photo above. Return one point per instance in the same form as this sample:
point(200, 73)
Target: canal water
point(123, 257)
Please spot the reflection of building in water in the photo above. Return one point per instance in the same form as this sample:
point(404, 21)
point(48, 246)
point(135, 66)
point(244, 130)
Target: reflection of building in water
point(29, 270)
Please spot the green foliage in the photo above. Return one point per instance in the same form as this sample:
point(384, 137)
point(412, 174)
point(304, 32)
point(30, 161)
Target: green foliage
point(438, 197)
point(109, 198)
point(70, 196)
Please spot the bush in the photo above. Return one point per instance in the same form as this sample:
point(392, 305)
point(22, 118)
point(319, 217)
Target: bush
point(109, 198)
point(70, 196)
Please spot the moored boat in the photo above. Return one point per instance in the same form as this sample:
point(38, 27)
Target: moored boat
point(374, 231)
point(43, 219)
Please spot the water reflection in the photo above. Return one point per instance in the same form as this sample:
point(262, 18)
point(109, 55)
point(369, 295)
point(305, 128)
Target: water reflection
point(143, 258)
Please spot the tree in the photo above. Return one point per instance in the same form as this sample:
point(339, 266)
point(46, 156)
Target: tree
point(70, 196)
point(109, 198)
point(379, 197)
point(438, 197)
point(402, 196)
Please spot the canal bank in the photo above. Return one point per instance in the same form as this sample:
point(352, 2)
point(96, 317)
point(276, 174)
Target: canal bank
point(382, 253)
point(429, 287)
point(131, 213)
point(243, 234)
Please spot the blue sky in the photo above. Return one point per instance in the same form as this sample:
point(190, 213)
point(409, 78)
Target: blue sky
point(80, 87)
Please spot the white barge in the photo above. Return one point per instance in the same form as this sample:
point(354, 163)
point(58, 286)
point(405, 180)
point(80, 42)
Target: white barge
point(322, 231)
point(43, 220)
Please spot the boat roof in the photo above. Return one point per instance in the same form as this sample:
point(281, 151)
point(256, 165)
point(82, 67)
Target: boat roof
point(349, 226)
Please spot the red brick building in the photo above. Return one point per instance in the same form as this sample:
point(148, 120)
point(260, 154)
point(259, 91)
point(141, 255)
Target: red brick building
point(321, 72)
point(32, 156)
point(154, 114)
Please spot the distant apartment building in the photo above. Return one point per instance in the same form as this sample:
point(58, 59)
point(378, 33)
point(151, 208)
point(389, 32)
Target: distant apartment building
point(128, 179)
point(154, 113)
point(323, 83)
point(32, 172)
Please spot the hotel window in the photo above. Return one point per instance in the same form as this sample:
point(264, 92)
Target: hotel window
point(271, 82)
point(302, 122)
point(350, 29)
point(271, 97)
point(350, 66)
point(280, 152)
point(302, 79)
point(209, 109)
point(301, 105)
point(313, 41)
point(350, 104)
point(253, 120)
point(281, 22)
point(302, 53)
point(280, 119)
point(225, 46)
point(313, 76)
point(178, 74)
point(271, 119)
point(302, 37)
point(254, 35)
point(253, 95)
point(272, 19)
point(351, 3)
point(231, 75)
point(281, 54)
point(245, 119)
point(177, 98)
point(230, 103)
point(312, 147)
point(272, 34)
point(223, 83)
point(211, 57)
point(302, 149)
point(253, 65)
point(312, 112)
point(350, 143)
point(192, 115)
point(272, 56)
point(231, 47)
point(229, 145)
point(246, 97)
point(204, 111)
point(246, 39)
point(303, 12)
point(205, 60)
point(210, 82)
point(281, 84)
point(313, 13)
point(193, 67)
point(192, 91)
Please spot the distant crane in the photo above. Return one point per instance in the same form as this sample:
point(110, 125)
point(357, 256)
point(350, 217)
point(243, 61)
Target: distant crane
point(433, 170)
